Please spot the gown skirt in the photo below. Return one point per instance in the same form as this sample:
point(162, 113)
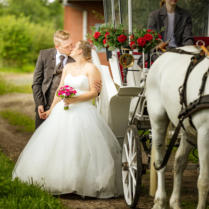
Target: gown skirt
point(73, 151)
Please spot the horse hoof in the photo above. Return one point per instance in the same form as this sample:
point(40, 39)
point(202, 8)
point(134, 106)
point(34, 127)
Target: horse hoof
point(157, 206)
point(175, 205)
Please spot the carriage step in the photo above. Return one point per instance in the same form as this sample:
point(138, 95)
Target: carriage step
point(128, 91)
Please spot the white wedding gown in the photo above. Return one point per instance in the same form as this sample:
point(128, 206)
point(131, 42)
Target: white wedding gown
point(73, 151)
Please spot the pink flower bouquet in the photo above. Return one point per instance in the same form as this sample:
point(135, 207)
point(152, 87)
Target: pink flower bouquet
point(66, 92)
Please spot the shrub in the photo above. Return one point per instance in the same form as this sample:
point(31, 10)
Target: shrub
point(22, 40)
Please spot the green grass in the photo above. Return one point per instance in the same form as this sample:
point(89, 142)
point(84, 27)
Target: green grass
point(22, 122)
point(190, 205)
point(6, 88)
point(18, 195)
point(23, 69)
point(192, 158)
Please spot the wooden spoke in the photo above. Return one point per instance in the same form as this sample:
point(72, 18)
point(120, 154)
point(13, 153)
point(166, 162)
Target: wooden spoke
point(131, 162)
point(133, 176)
point(130, 141)
point(133, 158)
point(134, 167)
point(126, 151)
point(125, 180)
point(129, 187)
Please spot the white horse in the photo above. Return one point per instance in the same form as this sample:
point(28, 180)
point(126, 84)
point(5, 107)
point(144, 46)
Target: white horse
point(163, 81)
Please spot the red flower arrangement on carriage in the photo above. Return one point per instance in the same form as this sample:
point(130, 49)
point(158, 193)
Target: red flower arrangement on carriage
point(107, 36)
point(66, 92)
point(144, 40)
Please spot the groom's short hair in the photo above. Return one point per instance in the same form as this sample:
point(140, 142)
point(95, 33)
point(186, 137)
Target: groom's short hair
point(60, 35)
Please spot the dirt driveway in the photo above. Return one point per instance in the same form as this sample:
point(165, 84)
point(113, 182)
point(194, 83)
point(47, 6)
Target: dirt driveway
point(12, 142)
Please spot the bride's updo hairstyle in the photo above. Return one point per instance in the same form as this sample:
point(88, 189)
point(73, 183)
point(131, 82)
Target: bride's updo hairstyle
point(86, 49)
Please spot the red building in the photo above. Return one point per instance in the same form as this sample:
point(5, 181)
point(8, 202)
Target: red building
point(80, 15)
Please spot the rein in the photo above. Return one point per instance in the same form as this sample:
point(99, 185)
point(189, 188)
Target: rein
point(187, 110)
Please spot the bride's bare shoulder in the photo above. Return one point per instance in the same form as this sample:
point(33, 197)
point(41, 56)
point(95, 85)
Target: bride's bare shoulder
point(93, 70)
point(91, 67)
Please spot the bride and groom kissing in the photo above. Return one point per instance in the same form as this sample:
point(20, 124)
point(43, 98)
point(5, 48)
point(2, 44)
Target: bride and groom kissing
point(74, 150)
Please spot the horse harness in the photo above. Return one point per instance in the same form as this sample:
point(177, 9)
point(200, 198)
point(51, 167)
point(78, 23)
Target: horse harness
point(187, 110)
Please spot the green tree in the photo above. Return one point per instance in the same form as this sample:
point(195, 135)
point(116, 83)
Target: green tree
point(37, 11)
point(21, 40)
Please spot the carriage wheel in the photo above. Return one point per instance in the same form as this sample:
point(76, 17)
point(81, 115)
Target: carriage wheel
point(131, 166)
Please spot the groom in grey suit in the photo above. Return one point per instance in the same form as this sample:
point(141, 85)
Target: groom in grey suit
point(48, 73)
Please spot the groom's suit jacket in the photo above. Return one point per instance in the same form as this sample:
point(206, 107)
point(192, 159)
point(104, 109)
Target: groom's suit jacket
point(43, 76)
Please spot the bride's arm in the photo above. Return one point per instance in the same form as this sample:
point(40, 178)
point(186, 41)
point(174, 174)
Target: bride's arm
point(93, 76)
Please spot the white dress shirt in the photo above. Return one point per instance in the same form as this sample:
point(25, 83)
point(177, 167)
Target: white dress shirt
point(170, 32)
point(58, 54)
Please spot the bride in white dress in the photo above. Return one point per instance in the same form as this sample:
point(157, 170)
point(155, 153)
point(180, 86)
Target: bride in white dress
point(74, 150)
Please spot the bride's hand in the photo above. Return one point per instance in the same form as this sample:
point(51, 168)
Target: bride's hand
point(46, 114)
point(71, 100)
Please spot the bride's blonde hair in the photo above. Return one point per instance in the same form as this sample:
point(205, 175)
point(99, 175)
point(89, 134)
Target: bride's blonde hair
point(86, 49)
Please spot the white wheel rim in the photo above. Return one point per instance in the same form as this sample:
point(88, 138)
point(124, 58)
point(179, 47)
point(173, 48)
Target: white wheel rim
point(129, 158)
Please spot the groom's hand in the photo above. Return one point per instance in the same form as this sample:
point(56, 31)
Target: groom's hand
point(41, 111)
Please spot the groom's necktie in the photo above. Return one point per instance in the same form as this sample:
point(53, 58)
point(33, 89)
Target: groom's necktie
point(60, 66)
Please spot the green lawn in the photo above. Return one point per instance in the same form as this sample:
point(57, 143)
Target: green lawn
point(23, 69)
point(6, 87)
point(190, 205)
point(18, 195)
point(22, 122)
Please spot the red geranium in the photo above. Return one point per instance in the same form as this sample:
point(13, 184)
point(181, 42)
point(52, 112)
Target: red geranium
point(122, 38)
point(149, 30)
point(141, 41)
point(148, 37)
point(131, 37)
point(159, 36)
point(107, 34)
point(144, 40)
point(133, 44)
point(97, 35)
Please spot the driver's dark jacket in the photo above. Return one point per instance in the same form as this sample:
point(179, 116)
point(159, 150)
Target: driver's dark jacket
point(158, 21)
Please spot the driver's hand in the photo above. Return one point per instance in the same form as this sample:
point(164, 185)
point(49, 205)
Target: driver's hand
point(162, 45)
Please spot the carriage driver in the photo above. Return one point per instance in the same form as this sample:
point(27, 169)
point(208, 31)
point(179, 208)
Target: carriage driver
point(173, 23)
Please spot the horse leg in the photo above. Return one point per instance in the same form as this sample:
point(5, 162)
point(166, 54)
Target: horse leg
point(159, 126)
point(179, 166)
point(203, 179)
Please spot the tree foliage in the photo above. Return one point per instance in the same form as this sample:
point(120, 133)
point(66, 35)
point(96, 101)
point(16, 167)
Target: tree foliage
point(37, 11)
point(21, 40)
point(26, 26)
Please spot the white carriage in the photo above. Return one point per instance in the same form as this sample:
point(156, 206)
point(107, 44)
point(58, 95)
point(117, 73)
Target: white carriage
point(122, 101)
